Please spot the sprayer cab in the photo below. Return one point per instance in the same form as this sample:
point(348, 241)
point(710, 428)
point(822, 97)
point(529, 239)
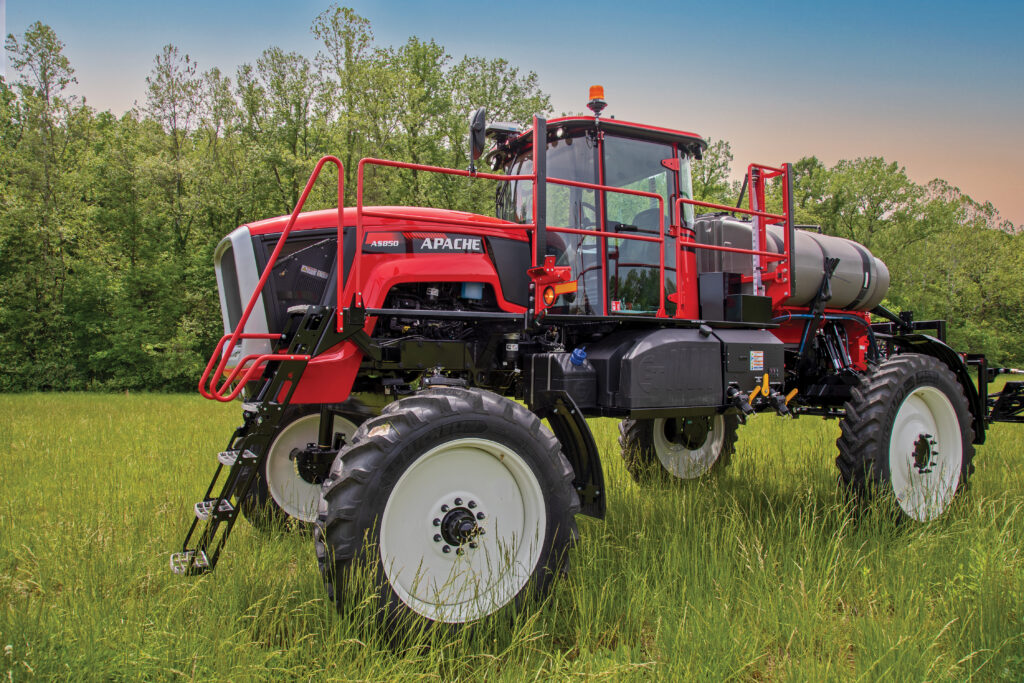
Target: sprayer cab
point(650, 166)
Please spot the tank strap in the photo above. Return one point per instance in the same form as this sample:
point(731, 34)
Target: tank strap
point(865, 285)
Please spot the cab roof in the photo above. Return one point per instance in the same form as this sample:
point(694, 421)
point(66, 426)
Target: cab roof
point(691, 142)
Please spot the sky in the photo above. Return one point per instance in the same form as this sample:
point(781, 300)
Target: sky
point(937, 86)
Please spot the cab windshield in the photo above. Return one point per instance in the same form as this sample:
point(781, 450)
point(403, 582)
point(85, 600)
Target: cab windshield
point(614, 275)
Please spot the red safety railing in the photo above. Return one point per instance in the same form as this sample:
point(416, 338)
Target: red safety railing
point(660, 239)
point(687, 304)
point(247, 368)
point(349, 292)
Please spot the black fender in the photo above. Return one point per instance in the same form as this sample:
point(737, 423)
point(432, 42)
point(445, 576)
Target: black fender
point(578, 445)
point(930, 346)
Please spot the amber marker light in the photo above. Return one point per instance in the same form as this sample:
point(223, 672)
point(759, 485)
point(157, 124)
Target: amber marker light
point(549, 296)
point(597, 103)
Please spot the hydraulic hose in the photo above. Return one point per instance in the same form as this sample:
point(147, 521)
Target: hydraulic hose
point(849, 318)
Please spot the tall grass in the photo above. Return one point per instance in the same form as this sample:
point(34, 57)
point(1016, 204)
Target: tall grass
point(763, 573)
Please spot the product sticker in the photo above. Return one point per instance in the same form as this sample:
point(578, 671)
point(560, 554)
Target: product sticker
point(757, 360)
point(616, 305)
point(315, 272)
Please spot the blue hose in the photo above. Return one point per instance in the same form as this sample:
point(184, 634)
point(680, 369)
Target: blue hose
point(851, 318)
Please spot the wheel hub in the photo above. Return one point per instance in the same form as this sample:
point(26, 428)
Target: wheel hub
point(924, 453)
point(457, 525)
point(690, 432)
point(313, 464)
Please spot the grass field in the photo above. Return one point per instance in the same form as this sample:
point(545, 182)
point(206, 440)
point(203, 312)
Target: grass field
point(762, 574)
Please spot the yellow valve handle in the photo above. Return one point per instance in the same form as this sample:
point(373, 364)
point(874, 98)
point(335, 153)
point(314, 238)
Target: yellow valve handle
point(765, 389)
point(790, 395)
point(753, 395)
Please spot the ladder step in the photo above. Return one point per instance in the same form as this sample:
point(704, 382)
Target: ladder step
point(229, 458)
point(190, 562)
point(205, 507)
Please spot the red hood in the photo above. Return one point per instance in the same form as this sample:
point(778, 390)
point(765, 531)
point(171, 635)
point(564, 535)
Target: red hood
point(400, 216)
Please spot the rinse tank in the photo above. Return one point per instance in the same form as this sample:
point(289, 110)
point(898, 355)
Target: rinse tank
point(859, 282)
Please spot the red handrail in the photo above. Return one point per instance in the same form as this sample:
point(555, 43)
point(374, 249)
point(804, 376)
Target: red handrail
point(660, 239)
point(221, 392)
point(757, 174)
point(344, 295)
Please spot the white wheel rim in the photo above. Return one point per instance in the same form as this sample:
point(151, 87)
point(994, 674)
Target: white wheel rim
point(925, 453)
point(456, 587)
point(687, 463)
point(294, 495)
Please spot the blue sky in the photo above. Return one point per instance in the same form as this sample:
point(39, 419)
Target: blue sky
point(937, 86)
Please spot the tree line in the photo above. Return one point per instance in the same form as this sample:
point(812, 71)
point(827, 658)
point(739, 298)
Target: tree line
point(108, 223)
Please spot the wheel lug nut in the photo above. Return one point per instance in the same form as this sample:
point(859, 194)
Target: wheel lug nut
point(472, 504)
point(437, 538)
point(446, 549)
point(437, 522)
point(480, 515)
point(458, 501)
point(460, 551)
point(472, 545)
point(444, 508)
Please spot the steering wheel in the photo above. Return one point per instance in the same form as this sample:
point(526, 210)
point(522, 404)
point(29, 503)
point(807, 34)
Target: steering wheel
point(588, 221)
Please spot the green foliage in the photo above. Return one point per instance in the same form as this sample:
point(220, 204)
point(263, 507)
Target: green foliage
point(762, 574)
point(108, 225)
point(948, 256)
point(711, 175)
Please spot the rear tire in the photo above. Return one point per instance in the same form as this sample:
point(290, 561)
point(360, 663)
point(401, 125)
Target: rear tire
point(279, 493)
point(461, 501)
point(907, 436)
point(682, 448)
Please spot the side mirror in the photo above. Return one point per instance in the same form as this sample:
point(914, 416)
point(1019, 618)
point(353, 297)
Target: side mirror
point(477, 139)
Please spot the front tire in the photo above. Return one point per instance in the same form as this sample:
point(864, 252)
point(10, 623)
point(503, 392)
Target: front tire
point(907, 436)
point(462, 496)
point(678, 448)
point(279, 492)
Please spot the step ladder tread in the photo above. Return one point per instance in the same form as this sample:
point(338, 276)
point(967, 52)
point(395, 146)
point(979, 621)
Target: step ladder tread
point(189, 562)
point(230, 458)
point(227, 458)
point(205, 508)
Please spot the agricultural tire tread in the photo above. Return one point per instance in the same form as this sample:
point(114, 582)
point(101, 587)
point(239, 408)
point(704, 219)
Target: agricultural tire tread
point(866, 428)
point(367, 470)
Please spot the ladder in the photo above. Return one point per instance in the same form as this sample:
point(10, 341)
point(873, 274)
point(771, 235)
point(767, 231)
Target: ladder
point(238, 465)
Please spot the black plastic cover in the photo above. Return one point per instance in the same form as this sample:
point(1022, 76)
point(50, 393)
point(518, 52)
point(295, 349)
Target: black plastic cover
point(555, 372)
point(668, 368)
point(511, 260)
point(748, 355)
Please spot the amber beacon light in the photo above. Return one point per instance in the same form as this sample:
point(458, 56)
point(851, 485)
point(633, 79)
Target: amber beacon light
point(597, 103)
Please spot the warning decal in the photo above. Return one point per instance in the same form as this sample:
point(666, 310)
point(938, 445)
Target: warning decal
point(315, 272)
point(757, 360)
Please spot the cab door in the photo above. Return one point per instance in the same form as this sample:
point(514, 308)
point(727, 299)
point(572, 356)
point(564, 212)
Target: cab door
point(632, 266)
